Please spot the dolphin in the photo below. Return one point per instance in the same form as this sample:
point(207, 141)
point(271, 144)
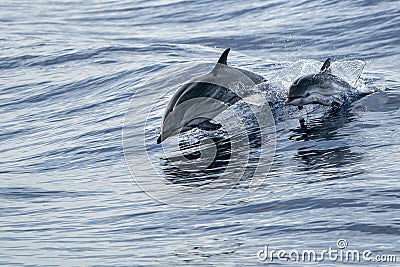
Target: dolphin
point(322, 88)
point(201, 99)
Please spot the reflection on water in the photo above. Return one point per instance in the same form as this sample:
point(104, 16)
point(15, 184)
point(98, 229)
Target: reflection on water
point(323, 128)
point(193, 149)
point(329, 163)
point(328, 155)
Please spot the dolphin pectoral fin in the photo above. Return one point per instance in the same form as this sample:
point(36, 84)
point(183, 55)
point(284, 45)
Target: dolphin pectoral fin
point(202, 124)
point(159, 139)
point(326, 66)
point(209, 126)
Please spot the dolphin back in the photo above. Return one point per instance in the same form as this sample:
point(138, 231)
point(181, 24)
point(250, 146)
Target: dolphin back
point(254, 77)
point(204, 97)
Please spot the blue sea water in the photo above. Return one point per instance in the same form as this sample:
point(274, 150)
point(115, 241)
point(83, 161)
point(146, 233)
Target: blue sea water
point(68, 71)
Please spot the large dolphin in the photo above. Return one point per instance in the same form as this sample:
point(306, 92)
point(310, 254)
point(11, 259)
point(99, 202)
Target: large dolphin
point(201, 99)
point(322, 88)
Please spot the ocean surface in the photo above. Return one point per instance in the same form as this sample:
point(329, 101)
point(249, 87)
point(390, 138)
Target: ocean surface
point(73, 73)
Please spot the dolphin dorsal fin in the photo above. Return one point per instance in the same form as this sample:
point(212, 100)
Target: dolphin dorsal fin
point(224, 56)
point(326, 66)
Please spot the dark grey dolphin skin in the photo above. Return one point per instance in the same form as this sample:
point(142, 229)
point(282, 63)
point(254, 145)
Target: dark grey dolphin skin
point(192, 111)
point(322, 88)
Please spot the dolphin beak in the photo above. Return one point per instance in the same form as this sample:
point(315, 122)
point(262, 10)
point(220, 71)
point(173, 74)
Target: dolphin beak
point(286, 102)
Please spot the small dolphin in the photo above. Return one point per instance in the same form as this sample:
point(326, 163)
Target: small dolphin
point(202, 98)
point(322, 88)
